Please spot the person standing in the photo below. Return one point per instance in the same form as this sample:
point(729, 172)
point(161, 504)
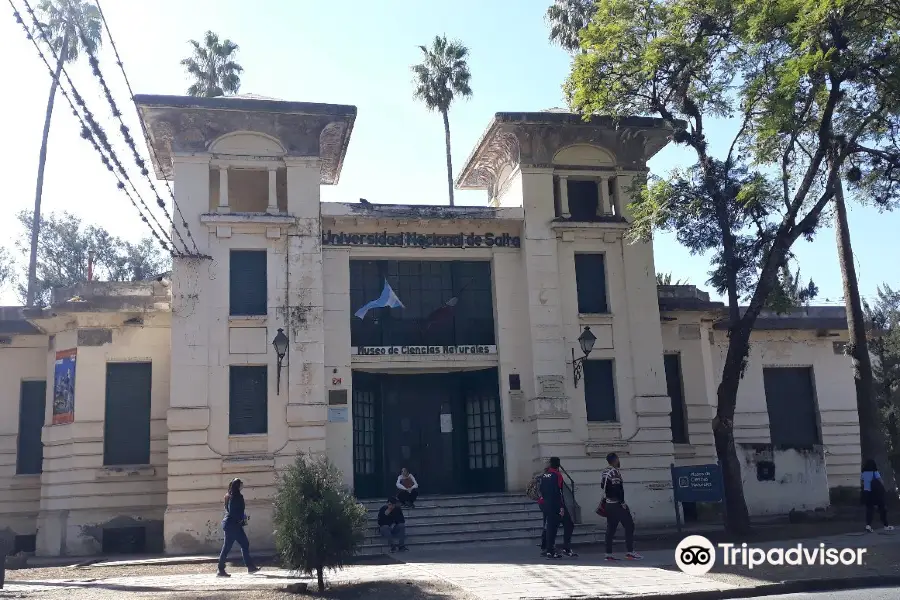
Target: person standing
point(392, 525)
point(616, 509)
point(873, 495)
point(233, 527)
point(408, 488)
point(553, 505)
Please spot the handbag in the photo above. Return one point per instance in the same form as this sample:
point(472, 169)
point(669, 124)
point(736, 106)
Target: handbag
point(601, 508)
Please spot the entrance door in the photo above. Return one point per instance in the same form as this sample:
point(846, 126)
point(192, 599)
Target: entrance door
point(413, 436)
point(483, 432)
point(444, 427)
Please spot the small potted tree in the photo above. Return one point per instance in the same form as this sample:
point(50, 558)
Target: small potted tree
point(319, 525)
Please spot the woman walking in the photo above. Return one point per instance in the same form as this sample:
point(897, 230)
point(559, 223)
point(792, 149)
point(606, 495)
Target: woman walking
point(873, 495)
point(233, 526)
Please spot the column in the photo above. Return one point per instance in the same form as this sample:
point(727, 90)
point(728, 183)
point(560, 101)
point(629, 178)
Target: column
point(616, 197)
point(604, 208)
point(564, 197)
point(223, 189)
point(272, 208)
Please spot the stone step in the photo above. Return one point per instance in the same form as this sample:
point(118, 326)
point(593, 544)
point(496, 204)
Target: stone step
point(500, 523)
point(456, 499)
point(417, 516)
point(582, 535)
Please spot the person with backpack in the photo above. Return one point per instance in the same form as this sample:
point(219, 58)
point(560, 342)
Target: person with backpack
point(533, 491)
point(553, 505)
point(233, 526)
point(615, 509)
point(873, 495)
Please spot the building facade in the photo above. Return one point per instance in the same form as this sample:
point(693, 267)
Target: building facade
point(442, 339)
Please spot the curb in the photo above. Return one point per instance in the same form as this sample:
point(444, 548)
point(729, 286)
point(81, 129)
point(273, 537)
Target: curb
point(796, 586)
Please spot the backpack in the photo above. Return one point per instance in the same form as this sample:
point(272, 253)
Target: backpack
point(533, 490)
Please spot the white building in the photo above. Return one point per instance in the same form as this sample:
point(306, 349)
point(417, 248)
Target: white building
point(160, 392)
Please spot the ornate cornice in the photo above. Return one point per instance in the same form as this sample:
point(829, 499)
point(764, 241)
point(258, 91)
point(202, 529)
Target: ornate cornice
point(178, 124)
point(533, 139)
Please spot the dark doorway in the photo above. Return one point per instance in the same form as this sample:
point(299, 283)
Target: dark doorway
point(444, 427)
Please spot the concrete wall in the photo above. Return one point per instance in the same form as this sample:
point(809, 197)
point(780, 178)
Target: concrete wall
point(23, 359)
point(80, 496)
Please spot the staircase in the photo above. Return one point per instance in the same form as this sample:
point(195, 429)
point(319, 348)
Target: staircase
point(470, 520)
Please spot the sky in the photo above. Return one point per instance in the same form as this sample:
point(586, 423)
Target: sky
point(352, 52)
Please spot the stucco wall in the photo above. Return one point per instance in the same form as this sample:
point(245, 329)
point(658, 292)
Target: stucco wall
point(21, 360)
point(80, 496)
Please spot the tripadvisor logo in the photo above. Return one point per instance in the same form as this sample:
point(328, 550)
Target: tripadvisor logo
point(696, 555)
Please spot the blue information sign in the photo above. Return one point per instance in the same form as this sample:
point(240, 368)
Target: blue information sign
point(697, 483)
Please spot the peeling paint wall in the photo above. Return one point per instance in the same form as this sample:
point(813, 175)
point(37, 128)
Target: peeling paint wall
point(23, 359)
point(80, 496)
point(777, 481)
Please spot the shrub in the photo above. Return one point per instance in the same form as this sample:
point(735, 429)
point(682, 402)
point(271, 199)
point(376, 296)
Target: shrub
point(318, 524)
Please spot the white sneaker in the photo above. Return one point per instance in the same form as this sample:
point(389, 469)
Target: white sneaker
point(888, 527)
point(869, 529)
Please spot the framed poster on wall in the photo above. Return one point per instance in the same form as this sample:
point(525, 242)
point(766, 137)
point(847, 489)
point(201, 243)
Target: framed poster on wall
point(64, 387)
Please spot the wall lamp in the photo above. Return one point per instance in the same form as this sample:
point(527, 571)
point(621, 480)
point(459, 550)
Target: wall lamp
point(586, 341)
point(281, 345)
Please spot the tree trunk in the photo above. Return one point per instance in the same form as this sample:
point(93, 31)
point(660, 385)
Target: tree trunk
point(871, 437)
point(449, 160)
point(39, 186)
point(737, 517)
point(321, 578)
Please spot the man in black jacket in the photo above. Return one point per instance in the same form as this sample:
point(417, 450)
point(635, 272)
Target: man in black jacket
point(392, 525)
point(553, 505)
point(616, 509)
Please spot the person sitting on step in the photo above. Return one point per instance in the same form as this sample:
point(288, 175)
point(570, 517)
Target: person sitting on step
point(408, 488)
point(392, 525)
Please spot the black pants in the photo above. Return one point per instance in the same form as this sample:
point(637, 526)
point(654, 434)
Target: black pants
point(873, 502)
point(234, 532)
point(615, 514)
point(408, 497)
point(551, 524)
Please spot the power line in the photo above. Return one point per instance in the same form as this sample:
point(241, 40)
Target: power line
point(153, 154)
point(126, 134)
point(93, 133)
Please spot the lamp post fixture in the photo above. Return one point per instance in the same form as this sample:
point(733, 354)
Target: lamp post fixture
point(281, 345)
point(586, 341)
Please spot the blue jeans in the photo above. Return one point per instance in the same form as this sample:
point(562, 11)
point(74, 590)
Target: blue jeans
point(234, 532)
point(391, 532)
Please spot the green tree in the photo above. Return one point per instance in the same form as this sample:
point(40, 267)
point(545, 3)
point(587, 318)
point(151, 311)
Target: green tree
point(811, 86)
point(67, 245)
point(666, 279)
point(442, 76)
point(61, 21)
point(789, 292)
point(213, 68)
point(567, 19)
point(5, 266)
point(883, 329)
point(318, 524)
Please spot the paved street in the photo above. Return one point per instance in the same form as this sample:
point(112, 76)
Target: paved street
point(891, 593)
point(514, 573)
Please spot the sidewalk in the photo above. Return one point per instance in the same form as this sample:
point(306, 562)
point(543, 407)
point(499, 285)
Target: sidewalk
point(515, 573)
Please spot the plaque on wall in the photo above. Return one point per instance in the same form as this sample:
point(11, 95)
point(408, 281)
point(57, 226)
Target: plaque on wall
point(338, 414)
point(552, 386)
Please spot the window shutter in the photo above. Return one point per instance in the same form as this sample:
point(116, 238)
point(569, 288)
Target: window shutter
point(126, 428)
point(32, 404)
point(248, 291)
point(791, 404)
point(599, 390)
point(590, 279)
point(674, 388)
point(248, 400)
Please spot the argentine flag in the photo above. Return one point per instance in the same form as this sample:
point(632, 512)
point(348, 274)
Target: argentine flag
point(388, 299)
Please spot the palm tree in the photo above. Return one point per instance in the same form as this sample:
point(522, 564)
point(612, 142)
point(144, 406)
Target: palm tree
point(567, 18)
point(213, 68)
point(70, 27)
point(443, 75)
